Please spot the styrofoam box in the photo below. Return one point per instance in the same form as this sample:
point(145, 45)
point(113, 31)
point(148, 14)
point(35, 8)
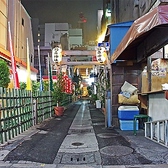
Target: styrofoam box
point(128, 124)
point(127, 112)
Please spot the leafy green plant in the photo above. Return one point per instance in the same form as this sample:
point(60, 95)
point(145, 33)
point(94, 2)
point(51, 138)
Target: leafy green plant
point(89, 90)
point(93, 98)
point(22, 85)
point(59, 90)
point(4, 74)
point(45, 85)
point(35, 86)
point(77, 80)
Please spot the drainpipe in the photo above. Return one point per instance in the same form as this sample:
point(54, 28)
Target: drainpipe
point(108, 98)
point(111, 88)
point(149, 72)
point(115, 11)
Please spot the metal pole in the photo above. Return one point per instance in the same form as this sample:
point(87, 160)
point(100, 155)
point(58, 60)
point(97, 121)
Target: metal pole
point(108, 101)
point(149, 72)
point(49, 86)
point(106, 117)
point(41, 84)
point(111, 89)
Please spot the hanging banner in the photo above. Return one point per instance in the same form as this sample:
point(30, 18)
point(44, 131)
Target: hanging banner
point(28, 83)
point(15, 75)
point(41, 82)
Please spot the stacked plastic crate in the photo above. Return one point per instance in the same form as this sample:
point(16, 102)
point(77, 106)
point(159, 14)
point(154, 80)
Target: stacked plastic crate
point(126, 117)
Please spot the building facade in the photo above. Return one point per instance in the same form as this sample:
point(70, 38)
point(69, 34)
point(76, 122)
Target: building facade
point(131, 73)
point(20, 25)
point(45, 35)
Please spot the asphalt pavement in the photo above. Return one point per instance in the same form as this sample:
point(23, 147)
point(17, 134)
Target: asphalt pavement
point(98, 146)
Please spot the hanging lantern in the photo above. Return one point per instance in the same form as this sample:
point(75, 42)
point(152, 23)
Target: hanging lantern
point(95, 70)
point(101, 54)
point(57, 54)
point(86, 71)
point(77, 72)
point(69, 71)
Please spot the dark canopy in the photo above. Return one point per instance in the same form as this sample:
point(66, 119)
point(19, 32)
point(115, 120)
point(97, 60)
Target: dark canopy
point(147, 35)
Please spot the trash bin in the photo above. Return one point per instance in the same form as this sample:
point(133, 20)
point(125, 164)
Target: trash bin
point(98, 103)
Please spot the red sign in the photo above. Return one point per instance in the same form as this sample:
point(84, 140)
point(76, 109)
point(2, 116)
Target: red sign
point(94, 58)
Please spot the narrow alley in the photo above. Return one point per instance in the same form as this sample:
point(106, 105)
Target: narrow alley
point(79, 138)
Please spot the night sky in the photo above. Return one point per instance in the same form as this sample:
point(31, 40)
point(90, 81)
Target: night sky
point(66, 11)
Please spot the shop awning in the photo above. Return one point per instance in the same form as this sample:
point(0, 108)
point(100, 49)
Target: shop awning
point(147, 35)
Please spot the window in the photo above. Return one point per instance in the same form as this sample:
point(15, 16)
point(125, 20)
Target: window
point(22, 22)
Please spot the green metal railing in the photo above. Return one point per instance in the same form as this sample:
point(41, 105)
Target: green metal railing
point(21, 109)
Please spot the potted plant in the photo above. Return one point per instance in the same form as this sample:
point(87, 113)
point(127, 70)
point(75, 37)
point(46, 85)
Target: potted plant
point(58, 94)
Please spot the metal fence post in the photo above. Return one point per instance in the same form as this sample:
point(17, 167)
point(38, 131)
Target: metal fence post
point(35, 120)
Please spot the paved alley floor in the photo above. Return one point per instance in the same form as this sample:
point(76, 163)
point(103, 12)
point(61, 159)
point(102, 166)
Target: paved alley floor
point(80, 139)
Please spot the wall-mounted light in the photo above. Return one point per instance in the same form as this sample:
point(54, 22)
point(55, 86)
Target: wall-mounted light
point(108, 13)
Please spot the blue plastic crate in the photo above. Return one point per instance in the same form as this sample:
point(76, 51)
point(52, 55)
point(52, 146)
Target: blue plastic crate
point(128, 125)
point(127, 112)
